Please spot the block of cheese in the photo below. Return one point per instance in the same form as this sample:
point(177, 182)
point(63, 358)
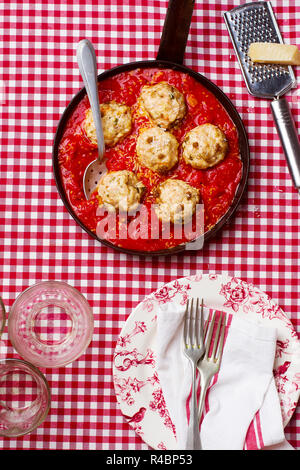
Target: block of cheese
point(274, 53)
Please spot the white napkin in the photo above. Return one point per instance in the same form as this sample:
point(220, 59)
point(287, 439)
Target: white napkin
point(242, 409)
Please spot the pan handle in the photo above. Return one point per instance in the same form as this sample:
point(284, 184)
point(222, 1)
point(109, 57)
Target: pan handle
point(175, 31)
point(289, 138)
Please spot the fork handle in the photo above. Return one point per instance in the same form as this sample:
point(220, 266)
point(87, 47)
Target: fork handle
point(203, 391)
point(193, 434)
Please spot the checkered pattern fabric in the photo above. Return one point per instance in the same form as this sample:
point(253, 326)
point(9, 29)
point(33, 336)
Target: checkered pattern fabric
point(39, 239)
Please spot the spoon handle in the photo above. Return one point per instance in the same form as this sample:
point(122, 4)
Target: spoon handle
point(86, 59)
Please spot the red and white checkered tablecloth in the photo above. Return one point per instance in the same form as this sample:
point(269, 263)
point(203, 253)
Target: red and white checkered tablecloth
point(39, 239)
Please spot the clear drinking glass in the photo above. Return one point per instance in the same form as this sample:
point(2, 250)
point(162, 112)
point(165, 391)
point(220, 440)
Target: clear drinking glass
point(50, 324)
point(2, 317)
point(24, 397)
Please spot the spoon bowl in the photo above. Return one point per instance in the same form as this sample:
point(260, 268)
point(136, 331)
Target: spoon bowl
point(93, 172)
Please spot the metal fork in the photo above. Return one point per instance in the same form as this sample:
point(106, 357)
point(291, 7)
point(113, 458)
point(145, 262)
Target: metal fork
point(210, 362)
point(193, 350)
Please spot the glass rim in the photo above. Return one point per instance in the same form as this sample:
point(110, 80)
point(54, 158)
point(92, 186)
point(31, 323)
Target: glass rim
point(84, 340)
point(50, 282)
point(3, 316)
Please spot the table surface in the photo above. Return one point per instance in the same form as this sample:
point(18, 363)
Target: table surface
point(39, 239)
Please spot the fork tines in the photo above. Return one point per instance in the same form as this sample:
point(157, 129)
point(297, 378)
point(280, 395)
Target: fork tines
point(214, 338)
point(193, 326)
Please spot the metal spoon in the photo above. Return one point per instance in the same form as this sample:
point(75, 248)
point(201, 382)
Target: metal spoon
point(86, 59)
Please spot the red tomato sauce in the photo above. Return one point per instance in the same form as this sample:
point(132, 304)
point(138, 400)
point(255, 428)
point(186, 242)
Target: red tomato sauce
point(217, 185)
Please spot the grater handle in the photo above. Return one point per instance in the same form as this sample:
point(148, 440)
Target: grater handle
point(289, 137)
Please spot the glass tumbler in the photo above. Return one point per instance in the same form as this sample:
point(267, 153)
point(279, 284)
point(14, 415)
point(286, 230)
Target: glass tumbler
point(50, 324)
point(24, 397)
point(2, 317)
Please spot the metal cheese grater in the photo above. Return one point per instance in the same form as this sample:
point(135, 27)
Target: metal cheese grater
point(255, 22)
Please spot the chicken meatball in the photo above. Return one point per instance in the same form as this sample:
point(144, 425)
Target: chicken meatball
point(116, 123)
point(157, 149)
point(120, 190)
point(204, 146)
point(164, 104)
point(176, 201)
